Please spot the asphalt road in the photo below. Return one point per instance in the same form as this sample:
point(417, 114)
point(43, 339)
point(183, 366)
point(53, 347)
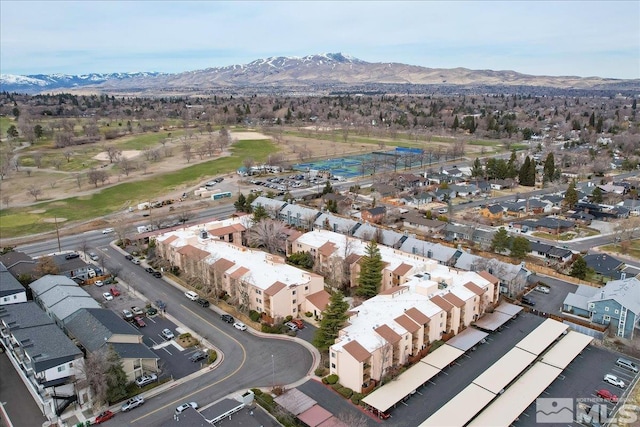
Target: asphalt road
point(16, 399)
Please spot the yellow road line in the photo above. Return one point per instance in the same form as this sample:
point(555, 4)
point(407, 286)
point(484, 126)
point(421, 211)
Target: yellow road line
point(244, 358)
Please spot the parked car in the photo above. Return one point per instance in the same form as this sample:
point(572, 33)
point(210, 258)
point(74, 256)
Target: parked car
point(228, 318)
point(94, 256)
point(98, 283)
point(128, 257)
point(203, 302)
point(136, 261)
point(167, 334)
point(138, 320)
point(107, 230)
point(180, 409)
point(107, 296)
point(152, 311)
point(114, 291)
point(105, 416)
point(542, 289)
point(149, 270)
point(298, 322)
point(128, 315)
point(291, 326)
point(607, 395)
point(191, 295)
point(146, 380)
point(528, 301)
point(157, 274)
point(198, 356)
point(137, 311)
point(71, 256)
point(613, 380)
point(132, 403)
point(239, 325)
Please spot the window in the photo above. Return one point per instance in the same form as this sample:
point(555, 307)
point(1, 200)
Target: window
point(60, 368)
point(333, 365)
point(294, 310)
point(293, 293)
point(258, 300)
point(333, 354)
point(293, 302)
point(606, 318)
point(258, 291)
point(306, 288)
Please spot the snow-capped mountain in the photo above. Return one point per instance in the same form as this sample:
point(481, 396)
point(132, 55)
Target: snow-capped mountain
point(42, 82)
point(321, 73)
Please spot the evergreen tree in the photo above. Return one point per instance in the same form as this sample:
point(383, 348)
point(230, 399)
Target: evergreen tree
point(456, 123)
point(599, 125)
point(115, 377)
point(512, 165)
point(12, 132)
point(579, 268)
point(259, 213)
point(370, 271)
point(523, 175)
point(596, 195)
point(520, 247)
point(549, 168)
point(476, 169)
point(327, 188)
point(571, 195)
point(592, 120)
point(333, 319)
point(500, 240)
point(241, 203)
point(531, 174)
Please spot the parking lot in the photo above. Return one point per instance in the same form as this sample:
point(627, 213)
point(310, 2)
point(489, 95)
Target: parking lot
point(551, 302)
point(174, 360)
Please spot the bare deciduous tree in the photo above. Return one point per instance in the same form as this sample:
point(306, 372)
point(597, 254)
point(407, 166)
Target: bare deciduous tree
point(34, 191)
point(268, 234)
point(113, 153)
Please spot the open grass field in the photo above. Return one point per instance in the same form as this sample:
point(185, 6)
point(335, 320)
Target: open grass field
point(632, 251)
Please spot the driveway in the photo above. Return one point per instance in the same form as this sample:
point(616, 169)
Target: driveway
point(551, 302)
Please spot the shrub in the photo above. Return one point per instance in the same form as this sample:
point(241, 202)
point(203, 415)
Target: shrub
point(288, 318)
point(184, 336)
point(308, 314)
point(256, 391)
point(213, 356)
point(254, 316)
point(356, 398)
point(346, 392)
point(337, 387)
point(267, 398)
point(324, 380)
point(320, 371)
point(275, 329)
point(332, 379)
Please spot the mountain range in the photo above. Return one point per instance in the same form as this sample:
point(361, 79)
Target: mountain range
point(322, 73)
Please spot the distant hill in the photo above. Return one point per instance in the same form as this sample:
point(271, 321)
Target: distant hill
point(324, 73)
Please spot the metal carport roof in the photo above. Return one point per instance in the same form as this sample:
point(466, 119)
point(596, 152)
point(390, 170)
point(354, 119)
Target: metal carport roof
point(492, 321)
point(467, 339)
point(442, 357)
point(462, 408)
point(392, 392)
point(505, 370)
point(507, 407)
point(542, 337)
point(508, 308)
point(567, 349)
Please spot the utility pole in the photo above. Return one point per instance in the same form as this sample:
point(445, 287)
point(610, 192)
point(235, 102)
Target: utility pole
point(55, 220)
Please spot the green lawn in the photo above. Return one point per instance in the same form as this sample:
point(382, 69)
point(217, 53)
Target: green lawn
point(18, 221)
point(147, 140)
point(633, 249)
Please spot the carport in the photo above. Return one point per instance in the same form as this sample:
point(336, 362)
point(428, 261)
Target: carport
point(567, 349)
point(505, 370)
point(315, 416)
point(462, 408)
point(295, 401)
point(467, 339)
point(542, 337)
point(442, 357)
point(405, 384)
point(518, 397)
point(501, 315)
point(508, 308)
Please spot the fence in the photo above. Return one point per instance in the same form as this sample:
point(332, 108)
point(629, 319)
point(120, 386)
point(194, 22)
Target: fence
point(539, 269)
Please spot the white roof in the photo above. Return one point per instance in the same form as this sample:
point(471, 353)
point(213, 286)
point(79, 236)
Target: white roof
point(567, 349)
point(392, 392)
point(462, 408)
point(518, 397)
point(442, 357)
point(467, 339)
point(505, 370)
point(542, 337)
point(492, 321)
point(508, 308)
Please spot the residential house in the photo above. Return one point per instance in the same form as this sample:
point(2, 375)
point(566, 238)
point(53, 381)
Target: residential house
point(444, 194)
point(514, 209)
point(513, 278)
point(330, 221)
point(611, 188)
point(554, 199)
point(272, 206)
point(401, 323)
point(60, 297)
point(633, 205)
point(607, 266)
point(19, 264)
point(75, 268)
point(374, 215)
point(483, 238)
point(500, 184)
point(420, 199)
point(440, 253)
point(465, 190)
point(298, 216)
point(409, 180)
point(453, 172)
point(96, 329)
point(546, 225)
point(255, 279)
point(582, 218)
point(493, 212)
point(416, 220)
point(46, 359)
point(551, 253)
point(11, 291)
point(538, 206)
point(453, 232)
point(384, 190)
point(617, 305)
point(380, 235)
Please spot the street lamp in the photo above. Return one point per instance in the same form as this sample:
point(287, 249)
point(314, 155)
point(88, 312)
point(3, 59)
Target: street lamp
point(273, 373)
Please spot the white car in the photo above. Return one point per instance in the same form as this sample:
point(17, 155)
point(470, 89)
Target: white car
point(613, 380)
point(239, 325)
point(542, 289)
point(99, 283)
point(180, 409)
point(107, 230)
point(107, 296)
point(191, 295)
point(167, 334)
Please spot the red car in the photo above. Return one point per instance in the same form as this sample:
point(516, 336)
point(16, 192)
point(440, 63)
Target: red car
point(105, 416)
point(114, 291)
point(607, 395)
point(139, 322)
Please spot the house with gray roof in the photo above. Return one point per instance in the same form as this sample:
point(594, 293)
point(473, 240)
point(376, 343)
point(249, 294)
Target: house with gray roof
point(338, 224)
point(607, 266)
point(96, 328)
point(19, 264)
point(298, 216)
point(442, 254)
point(513, 277)
point(368, 232)
point(60, 297)
point(272, 206)
point(632, 205)
point(11, 291)
point(50, 363)
point(617, 305)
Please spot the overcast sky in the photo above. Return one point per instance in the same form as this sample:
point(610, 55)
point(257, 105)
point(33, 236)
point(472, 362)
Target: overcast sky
point(581, 38)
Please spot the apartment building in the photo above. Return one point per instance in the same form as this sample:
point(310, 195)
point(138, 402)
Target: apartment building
point(253, 279)
point(401, 323)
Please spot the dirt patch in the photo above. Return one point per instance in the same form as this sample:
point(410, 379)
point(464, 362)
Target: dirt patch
point(128, 154)
point(53, 220)
point(243, 136)
point(38, 211)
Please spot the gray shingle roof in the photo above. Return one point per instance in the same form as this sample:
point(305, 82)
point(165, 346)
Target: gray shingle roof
point(47, 346)
point(92, 327)
point(438, 252)
point(133, 351)
point(50, 281)
point(336, 223)
point(23, 315)
point(9, 285)
point(387, 237)
point(68, 306)
point(60, 293)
